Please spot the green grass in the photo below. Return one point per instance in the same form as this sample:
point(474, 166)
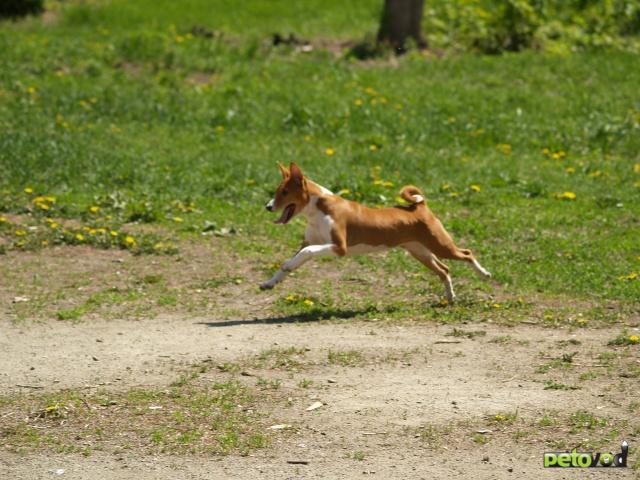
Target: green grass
point(115, 108)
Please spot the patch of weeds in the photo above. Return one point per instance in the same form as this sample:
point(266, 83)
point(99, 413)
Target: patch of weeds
point(502, 339)
point(281, 358)
point(357, 455)
point(624, 339)
point(305, 383)
point(582, 419)
point(508, 418)
point(566, 343)
point(479, 438)
point(546, 421)
point(590, 375)
point(347, 358)
point(270, 383)
point(553, 385)
point(457, 332)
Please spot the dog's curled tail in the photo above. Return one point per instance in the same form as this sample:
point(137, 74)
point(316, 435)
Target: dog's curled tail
point(412, 194)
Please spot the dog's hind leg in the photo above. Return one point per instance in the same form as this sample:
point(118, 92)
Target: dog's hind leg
point(429, 260)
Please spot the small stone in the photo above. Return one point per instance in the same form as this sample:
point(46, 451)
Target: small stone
point(314, 406)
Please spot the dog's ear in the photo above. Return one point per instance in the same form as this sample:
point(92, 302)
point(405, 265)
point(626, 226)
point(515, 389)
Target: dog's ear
point(296, 173)
point(283, 170)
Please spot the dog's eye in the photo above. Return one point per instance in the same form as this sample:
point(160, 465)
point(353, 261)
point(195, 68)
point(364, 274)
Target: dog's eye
point(285, 192)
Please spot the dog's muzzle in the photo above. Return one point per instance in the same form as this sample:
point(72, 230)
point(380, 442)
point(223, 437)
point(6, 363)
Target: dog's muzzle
point(269, 206)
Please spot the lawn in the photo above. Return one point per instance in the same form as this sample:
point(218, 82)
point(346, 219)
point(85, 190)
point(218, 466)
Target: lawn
point(111, 118)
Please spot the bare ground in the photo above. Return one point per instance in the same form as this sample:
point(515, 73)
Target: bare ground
point(400, 399)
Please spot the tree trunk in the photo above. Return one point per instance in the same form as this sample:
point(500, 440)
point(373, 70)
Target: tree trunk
point(402, 19)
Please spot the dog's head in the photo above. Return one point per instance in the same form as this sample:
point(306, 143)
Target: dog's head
point(291, 195)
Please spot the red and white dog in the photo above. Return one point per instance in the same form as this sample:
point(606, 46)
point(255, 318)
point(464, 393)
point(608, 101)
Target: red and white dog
point(336, 226)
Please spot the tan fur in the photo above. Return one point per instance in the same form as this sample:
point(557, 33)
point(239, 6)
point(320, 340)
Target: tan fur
point(413, 227)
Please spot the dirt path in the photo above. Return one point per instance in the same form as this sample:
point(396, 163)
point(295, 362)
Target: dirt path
point(404, 380)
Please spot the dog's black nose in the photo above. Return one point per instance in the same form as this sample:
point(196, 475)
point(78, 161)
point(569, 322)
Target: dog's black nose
point(268, 206)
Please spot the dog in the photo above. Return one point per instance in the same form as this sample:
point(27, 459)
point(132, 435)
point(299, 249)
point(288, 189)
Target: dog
point(337, 226)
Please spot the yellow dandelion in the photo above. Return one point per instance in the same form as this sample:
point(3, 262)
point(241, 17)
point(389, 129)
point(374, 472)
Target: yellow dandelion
point(373, 147)
point(546, 151)
point(567, 196)
point(219, 128)
point(50, 199)
point(633, 338)
point(38, 199)
point(499, 417)
point(475, 188)
point(43, 206)
point(28, 190)
point(102, 230)
point(330, 151)
point(496, 305)
point(595, 174)
point(129, 240)
point(2, 219)
point(158, 246)
point(94, 209)
point(358, 102)
point(179, 39)
point(559, 154)
point(53, 225)
point(454, 194)
point(20, 232)
point(377, 182)
point(445, 186)
point(570, 170)
point(178, 219)
point(504, 148)
point(370, 91)
point(308, 302)
point(44, 243)
point(387, 183)
point(636, 168)
point(31, 90)
point(290, 298)
point(86, 228)
point(92, 231)
point(113, 233)
point(79, 237)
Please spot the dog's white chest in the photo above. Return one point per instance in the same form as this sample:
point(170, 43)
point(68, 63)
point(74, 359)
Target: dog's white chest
point(319, 224)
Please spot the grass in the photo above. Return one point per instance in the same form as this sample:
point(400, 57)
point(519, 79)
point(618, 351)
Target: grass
point(191, 416)
point(130, 120)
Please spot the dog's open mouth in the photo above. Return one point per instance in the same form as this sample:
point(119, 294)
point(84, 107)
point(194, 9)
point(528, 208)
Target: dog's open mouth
point(287, 214)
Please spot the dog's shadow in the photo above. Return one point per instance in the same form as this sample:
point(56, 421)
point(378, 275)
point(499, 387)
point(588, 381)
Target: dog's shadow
point(311, 316)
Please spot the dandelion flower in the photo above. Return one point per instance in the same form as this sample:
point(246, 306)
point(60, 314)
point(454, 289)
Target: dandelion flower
point(94, 209)
point(308, 302)
point(504, 148)
point(2, 219)
point(358, 102)
point(129, 240)
point(20, 232)
point(219, 128)
point(445, 186)
point(290, 298)
point(330, 151)
point(113, 233)
point(567, 196)
point(636, 168)
point(53, 225)
point(373, 147)
point(387, 183)
point(79, 237)
point(31, 90)
point(178, 219)
point(43, 206)
point(28, 190)
point(475, 188)
point(570, 170)
point(44, 243)
point(633, 338)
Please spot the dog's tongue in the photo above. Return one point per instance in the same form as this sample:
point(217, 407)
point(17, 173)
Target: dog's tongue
point(287, 213)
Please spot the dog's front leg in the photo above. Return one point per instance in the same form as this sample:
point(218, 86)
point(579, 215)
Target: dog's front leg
point(304, 255)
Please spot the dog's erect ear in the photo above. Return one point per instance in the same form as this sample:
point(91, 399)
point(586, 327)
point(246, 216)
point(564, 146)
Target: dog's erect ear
point(296, 173)
point(283, 170)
